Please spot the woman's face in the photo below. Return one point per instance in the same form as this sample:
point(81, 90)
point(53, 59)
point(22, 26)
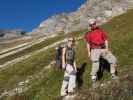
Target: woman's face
point(70, 42)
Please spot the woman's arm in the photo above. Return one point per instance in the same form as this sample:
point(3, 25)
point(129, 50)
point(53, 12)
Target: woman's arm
point(75, 66)
point(63, 58)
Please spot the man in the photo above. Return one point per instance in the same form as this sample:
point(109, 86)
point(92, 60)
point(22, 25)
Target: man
point(97, 46)
point(68, 63)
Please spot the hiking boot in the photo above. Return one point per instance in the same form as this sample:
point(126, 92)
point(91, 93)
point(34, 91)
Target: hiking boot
point(63, 95)
point(94, 81)
point(114, 77)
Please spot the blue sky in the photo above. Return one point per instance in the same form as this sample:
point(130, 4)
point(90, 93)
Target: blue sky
point(28, 14)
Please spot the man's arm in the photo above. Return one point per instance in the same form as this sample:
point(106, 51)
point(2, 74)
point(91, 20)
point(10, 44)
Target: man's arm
point(106, 45)
point(88, 49)
point(105, 37)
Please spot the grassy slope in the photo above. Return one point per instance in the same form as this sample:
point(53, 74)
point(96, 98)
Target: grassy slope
point(120, 35)
point(20, 71)
point(13, 44)
point(31, 49)
point(34, 48)
point(17, 72)
point(120, 31)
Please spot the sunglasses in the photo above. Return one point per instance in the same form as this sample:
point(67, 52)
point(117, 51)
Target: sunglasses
point(93, 24)
point(71, 40)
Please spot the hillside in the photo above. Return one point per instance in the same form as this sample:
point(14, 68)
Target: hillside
point(34, 79)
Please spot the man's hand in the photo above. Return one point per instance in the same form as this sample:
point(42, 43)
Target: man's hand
point(88, 49)
point(89, 54)
point(107, 46)
point(64, 66)
point(106, 51)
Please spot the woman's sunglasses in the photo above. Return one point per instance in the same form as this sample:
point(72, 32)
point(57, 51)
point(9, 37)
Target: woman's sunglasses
point(71, 40)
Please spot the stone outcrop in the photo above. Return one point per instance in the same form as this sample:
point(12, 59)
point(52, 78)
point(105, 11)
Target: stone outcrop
point(102, 10)
point(10, 34)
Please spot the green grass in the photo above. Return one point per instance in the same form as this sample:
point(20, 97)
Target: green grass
point(121, 35)
point(18, 72)
point(47, 88)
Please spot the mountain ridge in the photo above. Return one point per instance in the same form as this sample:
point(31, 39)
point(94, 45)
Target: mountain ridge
point(102, 10)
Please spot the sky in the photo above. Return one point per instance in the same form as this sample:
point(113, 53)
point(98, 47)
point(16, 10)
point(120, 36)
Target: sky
point(28, 14)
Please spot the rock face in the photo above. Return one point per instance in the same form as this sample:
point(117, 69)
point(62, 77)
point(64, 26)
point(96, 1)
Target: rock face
point(10, 34)
point(54, 24)
point(102, 10)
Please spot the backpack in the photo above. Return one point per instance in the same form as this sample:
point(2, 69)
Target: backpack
point(58, 56)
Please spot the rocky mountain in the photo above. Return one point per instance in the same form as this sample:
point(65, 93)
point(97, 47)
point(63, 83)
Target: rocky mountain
point(9, 34)
point(102, 10)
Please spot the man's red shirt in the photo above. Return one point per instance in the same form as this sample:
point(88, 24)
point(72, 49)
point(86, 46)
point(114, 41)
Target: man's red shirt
point(96, 37)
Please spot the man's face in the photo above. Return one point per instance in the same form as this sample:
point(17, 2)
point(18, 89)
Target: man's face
point(93, 26)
